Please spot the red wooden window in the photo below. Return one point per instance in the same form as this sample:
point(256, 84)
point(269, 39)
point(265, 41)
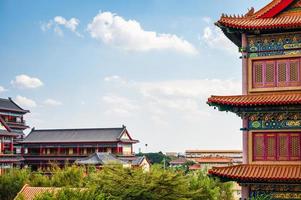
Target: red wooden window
point(277, 146)
point(276, 73)
point(293, 78)
point(258, 74)
point(258, 146)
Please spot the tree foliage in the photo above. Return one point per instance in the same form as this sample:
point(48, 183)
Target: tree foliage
point(156, 158)
point(11, 183)
point(118, 183)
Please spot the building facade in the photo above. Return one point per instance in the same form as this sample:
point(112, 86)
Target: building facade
point(61, 146)
point(270, 106)
point(214, 158)
point(12, 126)
point(234, 155)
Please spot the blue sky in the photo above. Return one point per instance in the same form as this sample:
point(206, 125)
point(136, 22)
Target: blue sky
point(147, 64)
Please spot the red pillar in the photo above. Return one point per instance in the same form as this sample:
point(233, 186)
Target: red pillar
point(244, 64)
point(41, 150)
point(77, 149)
point(58, 150)
point(1, 145)
point(245, 90)
point(12, 147)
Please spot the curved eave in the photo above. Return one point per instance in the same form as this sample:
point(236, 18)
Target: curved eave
point(228, 104)
point(258, 173)
point(247, 26)
point(233, 35)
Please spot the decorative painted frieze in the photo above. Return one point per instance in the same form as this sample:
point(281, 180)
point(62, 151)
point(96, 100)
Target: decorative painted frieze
point(273, 45)
point(274, 124)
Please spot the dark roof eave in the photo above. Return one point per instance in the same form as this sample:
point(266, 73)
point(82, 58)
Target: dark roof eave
point(233, 34)
point(130, 141)
point(14, 110)
point(62, 142)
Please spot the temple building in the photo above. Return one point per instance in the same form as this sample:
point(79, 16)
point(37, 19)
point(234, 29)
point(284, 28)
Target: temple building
point(270, 104)
point(12, 126)
point(61, 146)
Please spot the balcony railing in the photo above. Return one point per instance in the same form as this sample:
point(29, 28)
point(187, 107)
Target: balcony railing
point(22, 123)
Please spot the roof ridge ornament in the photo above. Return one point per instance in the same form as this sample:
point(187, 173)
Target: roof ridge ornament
point(250, 12)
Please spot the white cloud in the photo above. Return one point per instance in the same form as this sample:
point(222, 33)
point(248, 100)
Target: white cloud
point(119, 105)
point(214, 38)
point(129, 35)
point(207, 19)
point(70, 24)
point(25, 102)
point(52, 102)
point(173, 110)
point(112, 78)
point(58, 22)
point(46, 26)
point(25, 81)
point(190, 88)
point(2, 89)
point(161, 97)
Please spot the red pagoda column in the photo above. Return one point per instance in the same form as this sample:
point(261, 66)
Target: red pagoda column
point(2, 146)
point(11, 146)
point(244, 189)
point(244, 45)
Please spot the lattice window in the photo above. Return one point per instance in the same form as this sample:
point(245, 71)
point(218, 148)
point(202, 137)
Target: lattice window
point(293, 71)
point(295, 147)
point(277, 146)
point(258, 72)
point(276, 73)
point(283, 147)
point(271, 146)
point(270, 72)
point(282, 72)
point(258, 147)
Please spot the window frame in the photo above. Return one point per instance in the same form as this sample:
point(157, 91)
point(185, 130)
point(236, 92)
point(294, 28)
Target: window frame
point(275, 86)
point(277, 156)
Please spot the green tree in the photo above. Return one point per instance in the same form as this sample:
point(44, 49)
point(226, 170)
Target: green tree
point(69, 176)
point(38, 179)
point(11, 183)
point(261, 197)
point(156, 158)
point(207, 188)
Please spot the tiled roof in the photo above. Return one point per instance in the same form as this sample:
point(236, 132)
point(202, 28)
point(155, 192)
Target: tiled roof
point(266, 18)
point(76, 135)
point(9, 158)
point(195, 167)
point(283, 173)
point(266, 23)
point(134, 160)
point(29, 193)
point(99, 159)
point(212, 160)
point(10, 105)
point(178, 161)
point(259, 99)
point(213, 151)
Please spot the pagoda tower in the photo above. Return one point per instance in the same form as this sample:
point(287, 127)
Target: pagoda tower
point(270, 105)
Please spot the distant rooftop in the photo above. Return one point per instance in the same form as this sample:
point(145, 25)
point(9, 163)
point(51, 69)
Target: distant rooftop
point(10, 105)
point(213, 160)
point(213, 151)
point(100, 158)
point(78, 135)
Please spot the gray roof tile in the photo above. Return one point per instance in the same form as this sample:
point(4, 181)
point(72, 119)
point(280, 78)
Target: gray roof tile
point(99, 159)
point(74, 135)
point(9, 104)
